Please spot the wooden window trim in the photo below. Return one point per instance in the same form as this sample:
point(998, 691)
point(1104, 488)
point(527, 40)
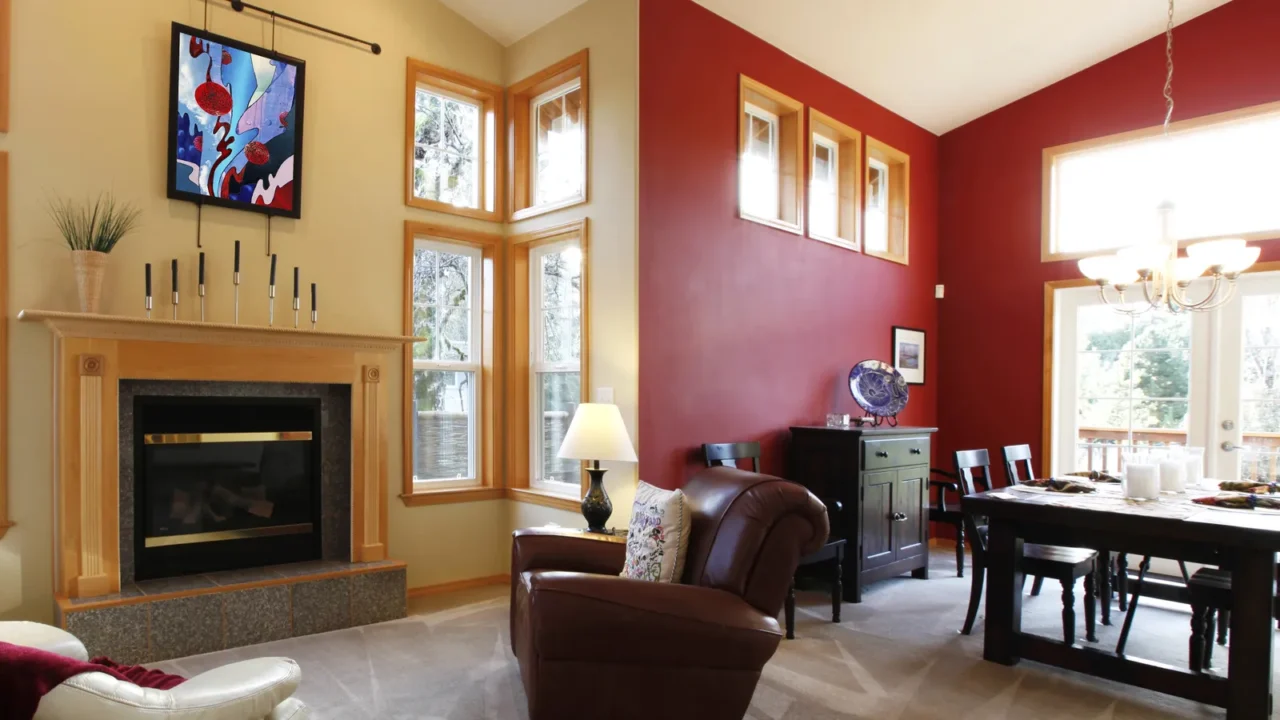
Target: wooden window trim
point(5, 35)
point(519, 97)
point(518, 357)
point(791, 164)
point(492, 171)
point(5, 522)
point(487, 426)
point(849, 170)
point(1050, 155)
point(899, 198)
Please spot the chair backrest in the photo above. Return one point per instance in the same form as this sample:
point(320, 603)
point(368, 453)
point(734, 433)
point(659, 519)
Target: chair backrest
point(1014, 454)
point(749, 532)
point(973, 468)
point(728, 454)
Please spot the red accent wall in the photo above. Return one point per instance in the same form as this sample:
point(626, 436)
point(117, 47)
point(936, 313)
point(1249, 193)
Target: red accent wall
point(746, 330)
point(991, 349)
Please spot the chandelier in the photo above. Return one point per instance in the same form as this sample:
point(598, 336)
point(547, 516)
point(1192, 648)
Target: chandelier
point(1164, 276)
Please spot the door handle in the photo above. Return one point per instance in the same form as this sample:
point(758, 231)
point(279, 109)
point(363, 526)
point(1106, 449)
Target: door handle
point(1228, 446)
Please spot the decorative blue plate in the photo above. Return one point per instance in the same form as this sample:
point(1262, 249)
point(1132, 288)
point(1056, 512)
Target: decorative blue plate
point(878, 388)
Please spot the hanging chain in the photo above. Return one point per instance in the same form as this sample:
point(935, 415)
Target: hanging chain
point(1168, 78)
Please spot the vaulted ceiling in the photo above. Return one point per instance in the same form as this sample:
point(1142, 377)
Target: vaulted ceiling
point(938, 63)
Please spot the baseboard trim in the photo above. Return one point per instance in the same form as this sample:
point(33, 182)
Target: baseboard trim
point(457, 585)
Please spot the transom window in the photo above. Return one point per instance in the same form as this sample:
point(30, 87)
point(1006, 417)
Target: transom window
point(559, 144)
point(1219, 172)
point(759, 174)
point(771, 157)
point(824, 188)
point(877, 212)
point(446, 366)
point(446, 158)
point(556, 346)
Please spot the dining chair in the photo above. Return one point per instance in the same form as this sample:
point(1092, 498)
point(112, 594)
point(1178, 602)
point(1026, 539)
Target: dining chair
point(1066, 565)
point(944, 482)
point(831, 552)
point(1013, 455)
point(1210, 590)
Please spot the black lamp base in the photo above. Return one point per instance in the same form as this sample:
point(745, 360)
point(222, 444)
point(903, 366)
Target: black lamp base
point(596, 507)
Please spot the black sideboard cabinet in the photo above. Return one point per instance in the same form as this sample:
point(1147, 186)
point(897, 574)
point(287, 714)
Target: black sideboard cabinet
point(881, 478)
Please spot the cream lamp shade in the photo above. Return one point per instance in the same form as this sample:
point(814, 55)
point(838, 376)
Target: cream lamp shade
point(597, 433)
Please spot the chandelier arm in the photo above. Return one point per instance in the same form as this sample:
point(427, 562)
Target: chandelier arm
point(1210, 301)
point(1102, 293)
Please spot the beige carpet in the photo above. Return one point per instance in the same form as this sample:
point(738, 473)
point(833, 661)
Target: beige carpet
point(896, 656)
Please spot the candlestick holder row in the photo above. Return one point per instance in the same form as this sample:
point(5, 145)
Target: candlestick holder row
point(175, 297)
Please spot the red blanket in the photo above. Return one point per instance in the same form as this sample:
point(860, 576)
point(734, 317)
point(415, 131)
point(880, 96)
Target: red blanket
point(26, 674)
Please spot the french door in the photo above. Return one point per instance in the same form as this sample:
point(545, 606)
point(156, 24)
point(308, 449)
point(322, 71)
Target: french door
point(1205, 379)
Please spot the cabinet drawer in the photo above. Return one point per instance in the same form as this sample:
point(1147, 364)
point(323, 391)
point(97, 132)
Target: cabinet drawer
point(894, 452)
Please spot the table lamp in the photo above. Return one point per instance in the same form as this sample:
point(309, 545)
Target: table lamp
point(597, 433)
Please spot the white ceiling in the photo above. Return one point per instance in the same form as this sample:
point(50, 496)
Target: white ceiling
point(942, 63)
point(509, 20)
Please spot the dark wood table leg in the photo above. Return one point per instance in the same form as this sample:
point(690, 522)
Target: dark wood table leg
point(1004, 593)
point(1102, 572)
point(791, 611)
point(837, 585)
point(1249, 672)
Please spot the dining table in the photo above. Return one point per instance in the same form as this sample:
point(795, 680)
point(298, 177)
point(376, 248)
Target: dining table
point(1242, 541)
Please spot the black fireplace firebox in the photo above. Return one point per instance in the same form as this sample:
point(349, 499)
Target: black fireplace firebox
point(224, 483)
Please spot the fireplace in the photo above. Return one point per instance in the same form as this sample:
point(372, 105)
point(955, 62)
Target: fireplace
point(224, 483)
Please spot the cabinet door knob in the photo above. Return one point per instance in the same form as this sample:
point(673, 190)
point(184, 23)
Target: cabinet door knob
point(898, 517)
point(882, 454)
point(915, 451)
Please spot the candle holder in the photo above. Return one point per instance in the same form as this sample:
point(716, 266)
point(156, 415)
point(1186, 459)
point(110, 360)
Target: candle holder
point(313, 319)
point(148, 307)
point(235, 278)
point(296, 307)
point(173, 284)
point(147, 280)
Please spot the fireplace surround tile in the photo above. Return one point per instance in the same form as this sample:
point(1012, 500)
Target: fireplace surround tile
point(239, 577)
point(257, 615)
point(377, 597)
point(183, 583)
point(186, 626)
point(119, 632)
point(335, 476)
point(321, 605)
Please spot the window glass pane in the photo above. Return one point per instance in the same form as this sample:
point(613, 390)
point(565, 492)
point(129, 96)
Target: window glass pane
point(442, 304)
point(876, 217)
point(443, 425)
point(1107, 197)
point(559, 148)
point(759, 168)
point(447, 151)
point(558, 395)
point(560, 304)
point(824, 202)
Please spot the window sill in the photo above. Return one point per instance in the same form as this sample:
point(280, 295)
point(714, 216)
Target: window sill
point(901, 260)
point(435, 206)
point(776, 224)
point(451, 495)
point(536, 210)
point(546, 499)
point(838, 242)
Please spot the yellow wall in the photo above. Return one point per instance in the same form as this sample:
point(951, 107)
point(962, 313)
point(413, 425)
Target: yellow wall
point(90, 95)
point(89, 113)
point(610, 28)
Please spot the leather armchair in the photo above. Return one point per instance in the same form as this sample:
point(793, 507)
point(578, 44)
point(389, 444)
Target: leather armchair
point(258, 689)
point(590, 642)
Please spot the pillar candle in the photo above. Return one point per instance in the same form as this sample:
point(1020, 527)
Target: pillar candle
point(1173, 475)
point(1142, 482)
point(295, 282)
point(313, 297)
point(273, 268)
point(237, 268)
point(148, 279)
point(202, 268)
point(173, 267)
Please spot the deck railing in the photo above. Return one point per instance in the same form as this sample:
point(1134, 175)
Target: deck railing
point(1101, 449)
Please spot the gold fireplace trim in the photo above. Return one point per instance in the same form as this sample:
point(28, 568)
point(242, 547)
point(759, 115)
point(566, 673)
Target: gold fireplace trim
point(242, 534)
point(195, 438)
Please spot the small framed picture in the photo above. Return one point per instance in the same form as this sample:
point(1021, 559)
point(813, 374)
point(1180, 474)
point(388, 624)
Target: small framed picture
point(908, 354)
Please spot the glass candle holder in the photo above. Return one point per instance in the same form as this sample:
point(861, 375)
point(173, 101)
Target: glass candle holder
point(1141, 476)
point(1193, 458)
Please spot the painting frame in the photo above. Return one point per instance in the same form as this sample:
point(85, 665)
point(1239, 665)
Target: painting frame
point(908, 347)
point(176, 193)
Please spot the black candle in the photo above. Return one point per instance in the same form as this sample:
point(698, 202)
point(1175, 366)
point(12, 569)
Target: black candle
point(148, 279)
point(174, 272)
point(295, 282)
point(201, 268)
point(313, 297)
point(237, 269)
point(273, 268)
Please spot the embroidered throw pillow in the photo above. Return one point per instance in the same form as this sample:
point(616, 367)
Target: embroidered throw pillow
point(658, 539)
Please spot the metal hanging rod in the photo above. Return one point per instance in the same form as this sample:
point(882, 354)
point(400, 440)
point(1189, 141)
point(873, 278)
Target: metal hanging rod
point(239, 6)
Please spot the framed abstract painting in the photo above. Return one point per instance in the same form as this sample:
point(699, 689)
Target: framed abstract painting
point(908, 354)
point(235, 124)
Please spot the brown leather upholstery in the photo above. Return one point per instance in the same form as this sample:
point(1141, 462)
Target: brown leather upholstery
point(592, 643)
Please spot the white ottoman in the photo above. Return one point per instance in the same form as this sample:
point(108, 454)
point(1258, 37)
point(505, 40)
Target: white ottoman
point(43, 637)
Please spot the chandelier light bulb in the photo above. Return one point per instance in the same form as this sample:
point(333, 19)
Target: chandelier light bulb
point(1145, 257)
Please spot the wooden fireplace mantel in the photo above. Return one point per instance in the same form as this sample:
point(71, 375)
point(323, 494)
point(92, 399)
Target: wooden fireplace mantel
point(92, 353)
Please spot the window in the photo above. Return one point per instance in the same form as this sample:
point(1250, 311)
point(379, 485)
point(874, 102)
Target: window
point(448, 404)
point(556, 330)
point(452, 136)
point(835, 160)
point(888, 183)
point(1219, 172)
point(770, 166)
point(549, 126)
point(548, 365)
